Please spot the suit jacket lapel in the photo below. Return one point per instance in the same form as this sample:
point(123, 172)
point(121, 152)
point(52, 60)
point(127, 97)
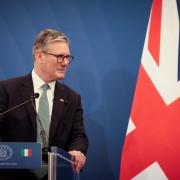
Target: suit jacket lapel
point(59, 109)
point(59, 105)
point(26, 92)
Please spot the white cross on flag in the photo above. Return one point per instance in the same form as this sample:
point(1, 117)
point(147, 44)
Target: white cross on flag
point(152, 147)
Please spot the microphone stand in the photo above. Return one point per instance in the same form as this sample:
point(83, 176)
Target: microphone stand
point(43, 132)
point(25, 102)
point(34, 96)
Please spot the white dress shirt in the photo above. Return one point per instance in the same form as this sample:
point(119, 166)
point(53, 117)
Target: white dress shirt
point(37, 84)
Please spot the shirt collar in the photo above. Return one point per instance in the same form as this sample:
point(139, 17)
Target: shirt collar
point(38, 82)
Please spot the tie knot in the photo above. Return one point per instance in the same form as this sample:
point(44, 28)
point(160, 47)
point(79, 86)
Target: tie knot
point(45, 87)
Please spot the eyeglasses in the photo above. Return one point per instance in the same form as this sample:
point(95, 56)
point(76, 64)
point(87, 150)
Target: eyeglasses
point(61, 57)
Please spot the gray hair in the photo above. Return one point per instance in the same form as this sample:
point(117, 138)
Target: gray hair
point(47, 36)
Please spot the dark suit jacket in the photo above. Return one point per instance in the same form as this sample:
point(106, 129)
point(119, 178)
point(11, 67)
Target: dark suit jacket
point(20, 125)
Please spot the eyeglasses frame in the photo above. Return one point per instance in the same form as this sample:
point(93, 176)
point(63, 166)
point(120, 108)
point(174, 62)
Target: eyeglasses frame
point(61, 56)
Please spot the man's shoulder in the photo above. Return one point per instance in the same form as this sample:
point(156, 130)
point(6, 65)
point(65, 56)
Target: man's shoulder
point(67, 89)
point(16, 80)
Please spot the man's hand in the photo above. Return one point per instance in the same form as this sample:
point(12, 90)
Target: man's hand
point(79, 159)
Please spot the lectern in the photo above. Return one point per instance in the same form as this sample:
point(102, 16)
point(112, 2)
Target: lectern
point(60, 165)
point(56, 161)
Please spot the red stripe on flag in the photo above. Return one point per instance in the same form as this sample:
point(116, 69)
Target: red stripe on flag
point(155, 30)
point(29, 152)
point(156, 135)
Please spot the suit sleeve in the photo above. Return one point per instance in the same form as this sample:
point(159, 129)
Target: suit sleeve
point(78, 138)
point(3, 107)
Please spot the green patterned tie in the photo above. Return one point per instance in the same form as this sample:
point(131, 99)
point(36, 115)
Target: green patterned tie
point(43, 111)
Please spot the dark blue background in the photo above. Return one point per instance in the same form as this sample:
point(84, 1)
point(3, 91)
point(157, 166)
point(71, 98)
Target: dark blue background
point(107, 39)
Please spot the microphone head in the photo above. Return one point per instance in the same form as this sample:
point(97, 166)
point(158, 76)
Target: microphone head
point(35, 95)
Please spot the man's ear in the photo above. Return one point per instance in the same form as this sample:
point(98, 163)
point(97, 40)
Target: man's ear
point(39, 57)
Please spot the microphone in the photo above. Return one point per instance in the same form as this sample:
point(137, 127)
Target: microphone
point(34, 96)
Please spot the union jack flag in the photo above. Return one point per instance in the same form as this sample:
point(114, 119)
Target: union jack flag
point(152, 146)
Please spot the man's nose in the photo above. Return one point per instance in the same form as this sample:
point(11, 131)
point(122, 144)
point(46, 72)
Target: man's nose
point(65, 61)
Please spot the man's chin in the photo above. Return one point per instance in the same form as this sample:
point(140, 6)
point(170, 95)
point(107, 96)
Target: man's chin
point(60, 76)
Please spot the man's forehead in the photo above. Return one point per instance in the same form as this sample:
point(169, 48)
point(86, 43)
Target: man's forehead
point(57, 45)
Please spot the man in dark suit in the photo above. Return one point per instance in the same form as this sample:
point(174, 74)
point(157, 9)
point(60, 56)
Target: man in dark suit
point(66, 129)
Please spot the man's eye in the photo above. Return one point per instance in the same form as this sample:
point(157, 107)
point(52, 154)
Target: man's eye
point(61, 56)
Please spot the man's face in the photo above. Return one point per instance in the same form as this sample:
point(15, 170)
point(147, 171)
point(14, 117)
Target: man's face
point(50, 69)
